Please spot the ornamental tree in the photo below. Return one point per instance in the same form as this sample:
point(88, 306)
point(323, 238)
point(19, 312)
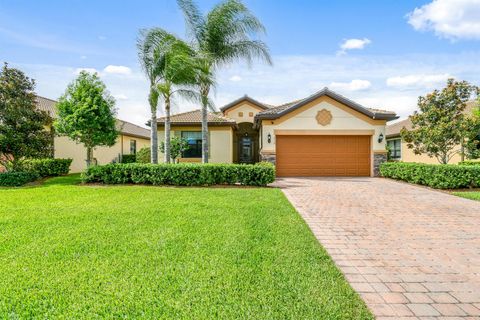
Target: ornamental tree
point(86, 114)
point(23, 131)
point(177, 147)
point(472, 143)
point(440, 128)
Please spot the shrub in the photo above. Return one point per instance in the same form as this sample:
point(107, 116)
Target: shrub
point(129, 158)
point(143, 155)
point(183, 174)
point(47, 167)
point(470, 163)
point(446, 176)
point(16, 179)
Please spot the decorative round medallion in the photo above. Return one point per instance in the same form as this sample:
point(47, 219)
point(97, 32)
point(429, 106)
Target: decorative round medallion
point(324, 117)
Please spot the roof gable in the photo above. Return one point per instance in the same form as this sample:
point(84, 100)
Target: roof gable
point(277, 112)
point(245, 98)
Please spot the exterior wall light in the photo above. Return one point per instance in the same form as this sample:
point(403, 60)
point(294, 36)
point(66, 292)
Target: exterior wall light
point(269, 138)
point(380, 138)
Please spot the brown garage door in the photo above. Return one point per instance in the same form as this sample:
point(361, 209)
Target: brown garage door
point(323, 156)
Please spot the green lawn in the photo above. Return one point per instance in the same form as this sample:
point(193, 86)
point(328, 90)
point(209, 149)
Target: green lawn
point(72, 251)
point(474, 195)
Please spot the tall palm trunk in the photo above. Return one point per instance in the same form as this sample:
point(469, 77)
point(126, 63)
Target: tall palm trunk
point(153, 100)
point(167, 129)
point(204, 95)
point(154, 137)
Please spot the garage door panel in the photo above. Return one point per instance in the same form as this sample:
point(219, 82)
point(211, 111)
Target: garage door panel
point(323, 155)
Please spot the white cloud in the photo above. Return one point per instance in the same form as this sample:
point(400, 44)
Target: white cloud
point(354, 85)
point(353, 44)
point(418, 80)
point(120, 96)
point(89, 70)
point(235, 78)
point(111, 69)
point(452, 19)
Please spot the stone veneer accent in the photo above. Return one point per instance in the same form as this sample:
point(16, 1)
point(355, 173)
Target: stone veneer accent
point(268, 157)
point(378, 159)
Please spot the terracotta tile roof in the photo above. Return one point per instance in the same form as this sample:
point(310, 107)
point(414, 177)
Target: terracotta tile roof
point(276, 112)
point(47, 105)
point(277, 109)
point(130, 129)
point(124, 127)
point(195, 117)
point(394, 129)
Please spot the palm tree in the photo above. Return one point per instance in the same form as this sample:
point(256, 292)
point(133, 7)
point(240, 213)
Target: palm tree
point(221, 37)
point(171, 68)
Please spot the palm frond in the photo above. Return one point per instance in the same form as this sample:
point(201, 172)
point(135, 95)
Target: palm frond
point(144, 48)
point(193, 19)
point(234, 15)
point(248, 50)
point(194, 96)
point(165, 57)
point(231, 26)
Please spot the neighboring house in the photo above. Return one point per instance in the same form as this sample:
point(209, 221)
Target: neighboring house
point(398, 147)
point(324, 134)
point(131, 139)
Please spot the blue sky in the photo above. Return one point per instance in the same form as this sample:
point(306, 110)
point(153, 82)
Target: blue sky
point(393, 51)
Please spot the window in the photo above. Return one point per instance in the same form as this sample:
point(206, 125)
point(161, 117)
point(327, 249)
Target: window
point(395, 147)
point(133, 146)
point(240, 114)
point(194, 139)
point(250, 114)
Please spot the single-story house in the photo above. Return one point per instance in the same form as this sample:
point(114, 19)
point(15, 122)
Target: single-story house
point(131, 139)
point(324, 134)
point(398, 147)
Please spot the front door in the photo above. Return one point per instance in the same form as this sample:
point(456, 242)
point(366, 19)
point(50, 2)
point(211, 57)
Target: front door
point(246, 150)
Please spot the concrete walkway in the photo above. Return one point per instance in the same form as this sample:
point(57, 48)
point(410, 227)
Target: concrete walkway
point(410, 252)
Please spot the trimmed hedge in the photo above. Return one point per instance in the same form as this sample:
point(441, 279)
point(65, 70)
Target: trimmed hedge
point(446, 176)
point(143, 155)
point(47, 167)
point(182, 174)
point(470, 163)
point(16, 179)
point(129, 158)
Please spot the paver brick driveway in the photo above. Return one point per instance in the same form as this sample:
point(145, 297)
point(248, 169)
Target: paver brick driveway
point(409, 251)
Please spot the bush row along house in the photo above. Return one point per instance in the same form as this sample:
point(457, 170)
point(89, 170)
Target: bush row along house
point(130, 139)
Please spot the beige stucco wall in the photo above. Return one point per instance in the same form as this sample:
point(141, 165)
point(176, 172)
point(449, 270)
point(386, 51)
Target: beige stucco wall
point(66, 148)
point(342, 122)
point(244, 108)
point(221, 143)
point(141, 143)
point(409, 156)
